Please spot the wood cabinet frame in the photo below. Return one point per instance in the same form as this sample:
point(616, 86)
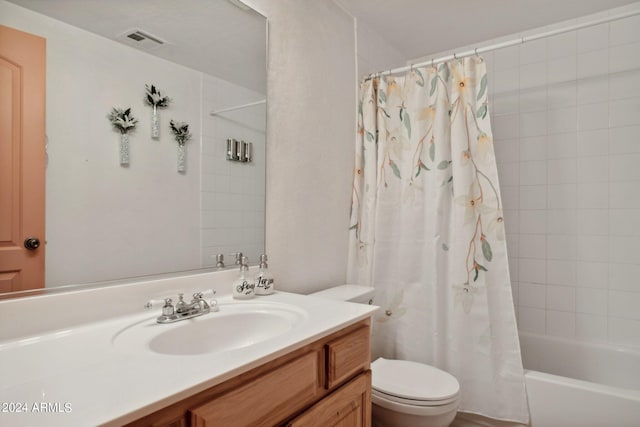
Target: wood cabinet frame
point(313, 372)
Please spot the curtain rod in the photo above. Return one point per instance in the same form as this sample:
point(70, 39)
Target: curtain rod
point(502, 45)
point(225, 110)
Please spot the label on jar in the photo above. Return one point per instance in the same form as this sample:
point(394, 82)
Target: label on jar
point(244, 289)
point(264, 286)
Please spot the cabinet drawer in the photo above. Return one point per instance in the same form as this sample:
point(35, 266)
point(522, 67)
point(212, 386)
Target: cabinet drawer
point(267, 400)
point(348, 406)
point(347, 356)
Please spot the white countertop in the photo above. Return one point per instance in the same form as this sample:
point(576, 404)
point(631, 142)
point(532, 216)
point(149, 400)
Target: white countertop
point(83, 379)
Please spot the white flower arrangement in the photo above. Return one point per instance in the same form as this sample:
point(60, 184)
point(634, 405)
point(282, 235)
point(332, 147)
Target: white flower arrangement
point(181, 131)
point(122, 119)
point(155, 98)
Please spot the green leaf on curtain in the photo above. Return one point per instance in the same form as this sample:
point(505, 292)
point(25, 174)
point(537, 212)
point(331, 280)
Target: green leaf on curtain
point(401, 111)
point(445, 247)
point(483, 86)
point(477, 267)
point(432, 151)
point(420, 167)
point(421, 81)
point(370, 136)
point(486, 250)
point(434, 84)
point(407, 124)
point(382, 96)
point(385, 113)
point(354, 226)
point(450, 178)
point(395, 169)
point(482, 111)
point(444, 164)
point(444, 69)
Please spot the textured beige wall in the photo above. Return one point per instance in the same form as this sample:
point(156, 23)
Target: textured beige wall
point(310, 134)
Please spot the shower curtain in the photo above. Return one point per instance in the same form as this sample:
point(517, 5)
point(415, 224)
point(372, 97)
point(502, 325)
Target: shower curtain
point(427, 232)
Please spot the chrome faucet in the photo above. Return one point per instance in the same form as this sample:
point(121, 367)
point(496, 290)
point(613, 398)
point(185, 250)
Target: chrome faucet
point(181, 311)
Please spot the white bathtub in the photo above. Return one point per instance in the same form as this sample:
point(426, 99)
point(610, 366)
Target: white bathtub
point(575, 384)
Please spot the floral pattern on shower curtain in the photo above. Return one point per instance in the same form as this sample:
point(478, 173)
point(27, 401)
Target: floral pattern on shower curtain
point(427, 232)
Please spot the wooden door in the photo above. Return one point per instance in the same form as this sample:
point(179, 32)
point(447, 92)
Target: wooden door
point(22, 159)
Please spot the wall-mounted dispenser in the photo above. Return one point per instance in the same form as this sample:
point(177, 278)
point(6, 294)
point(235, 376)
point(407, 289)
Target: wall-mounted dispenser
point(239, 151)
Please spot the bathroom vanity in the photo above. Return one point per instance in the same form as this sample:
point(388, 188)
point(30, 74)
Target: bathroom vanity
point(325, 383)
point(283, 359)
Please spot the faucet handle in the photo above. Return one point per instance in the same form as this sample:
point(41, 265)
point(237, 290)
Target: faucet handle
point(198, 299)
point(211, 304)
point(168, 309)
point(219, 260)
point(238, 256)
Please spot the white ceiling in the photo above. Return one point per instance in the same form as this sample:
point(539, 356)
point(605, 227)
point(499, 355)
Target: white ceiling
point(212, 36)
point(217, 37)
point(417, 28)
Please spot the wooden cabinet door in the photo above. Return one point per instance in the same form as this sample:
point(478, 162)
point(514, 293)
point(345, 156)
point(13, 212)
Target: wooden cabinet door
point(22, 159)
point(348, 355)
point(349, 406)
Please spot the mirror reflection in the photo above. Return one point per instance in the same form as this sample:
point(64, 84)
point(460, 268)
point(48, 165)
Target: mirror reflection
point(105, 220)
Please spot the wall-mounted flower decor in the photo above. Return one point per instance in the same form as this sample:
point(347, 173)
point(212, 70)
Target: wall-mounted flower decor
point(182, 135)
point(156, 100)
point(124, 122)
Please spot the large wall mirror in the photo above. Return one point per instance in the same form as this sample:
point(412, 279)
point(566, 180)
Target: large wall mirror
point(105, 221)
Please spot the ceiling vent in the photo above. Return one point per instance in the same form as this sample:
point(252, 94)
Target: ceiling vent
point(140, 39)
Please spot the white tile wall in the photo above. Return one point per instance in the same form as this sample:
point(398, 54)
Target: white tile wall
point(532, 295)
point(532, 319)
point(233, 194)
point(590, 327)
point(566, 120)
point(561, 323)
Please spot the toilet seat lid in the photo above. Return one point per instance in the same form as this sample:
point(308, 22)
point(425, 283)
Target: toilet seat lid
point(412, 380)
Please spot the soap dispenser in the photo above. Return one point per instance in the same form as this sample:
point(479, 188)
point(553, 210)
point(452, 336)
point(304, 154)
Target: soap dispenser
point(264, 280)
point(244, 287)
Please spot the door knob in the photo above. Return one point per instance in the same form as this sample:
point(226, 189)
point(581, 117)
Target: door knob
point(32, 243)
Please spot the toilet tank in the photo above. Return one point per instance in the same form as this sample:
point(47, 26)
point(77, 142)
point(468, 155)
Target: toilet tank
point(352, 293)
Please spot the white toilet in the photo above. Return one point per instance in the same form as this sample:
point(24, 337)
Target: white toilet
point(404, 393)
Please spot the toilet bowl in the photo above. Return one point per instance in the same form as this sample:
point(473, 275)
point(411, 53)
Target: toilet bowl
point(413, 394)
point(404, 393)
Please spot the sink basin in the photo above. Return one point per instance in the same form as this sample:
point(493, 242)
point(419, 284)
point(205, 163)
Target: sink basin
point(235, 326)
